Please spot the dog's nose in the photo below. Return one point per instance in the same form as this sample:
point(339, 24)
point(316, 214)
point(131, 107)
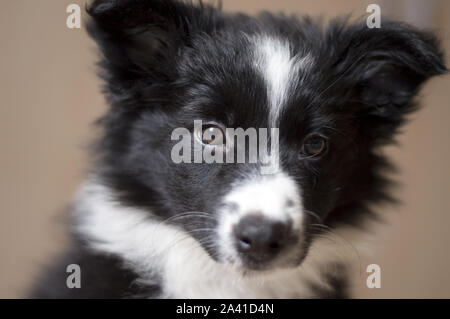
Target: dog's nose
point(260, 239)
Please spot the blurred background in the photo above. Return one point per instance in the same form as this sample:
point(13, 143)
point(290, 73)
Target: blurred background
point(50, 96)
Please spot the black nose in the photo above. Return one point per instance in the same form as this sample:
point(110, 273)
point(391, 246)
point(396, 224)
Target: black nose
point(260, 239)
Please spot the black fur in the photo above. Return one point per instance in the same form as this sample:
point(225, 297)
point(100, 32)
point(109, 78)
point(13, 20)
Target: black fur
point(167, 63)
point(103, 277)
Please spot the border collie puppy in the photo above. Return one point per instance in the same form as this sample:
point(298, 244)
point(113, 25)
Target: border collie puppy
point(145, 225)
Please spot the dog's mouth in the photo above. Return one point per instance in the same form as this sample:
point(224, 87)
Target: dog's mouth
point(249, 265)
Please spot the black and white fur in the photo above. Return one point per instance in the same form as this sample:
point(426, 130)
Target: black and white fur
point(146, 227)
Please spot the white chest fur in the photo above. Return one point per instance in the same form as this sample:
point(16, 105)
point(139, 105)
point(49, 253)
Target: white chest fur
point(151, 248)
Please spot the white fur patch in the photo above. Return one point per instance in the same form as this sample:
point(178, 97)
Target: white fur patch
point(153, 247)
point(276, 197)
point(280, 69)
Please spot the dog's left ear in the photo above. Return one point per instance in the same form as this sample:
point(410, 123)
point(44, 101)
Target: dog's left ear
point(139, 39)
point(386, 67)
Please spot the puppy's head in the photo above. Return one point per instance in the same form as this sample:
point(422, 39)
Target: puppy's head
point(176, 73)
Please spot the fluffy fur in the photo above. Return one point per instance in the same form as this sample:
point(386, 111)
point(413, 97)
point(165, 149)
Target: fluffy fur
point(144, 226)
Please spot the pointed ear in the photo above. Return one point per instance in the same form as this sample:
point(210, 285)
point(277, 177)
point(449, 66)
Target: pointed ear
point(140, 37)
point(386, 67)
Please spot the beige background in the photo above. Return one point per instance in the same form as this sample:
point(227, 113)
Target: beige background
point(50, 96)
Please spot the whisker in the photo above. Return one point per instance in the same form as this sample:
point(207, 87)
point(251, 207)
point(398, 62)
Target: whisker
point(329, 231)
point(204, 241)
point(311, 213)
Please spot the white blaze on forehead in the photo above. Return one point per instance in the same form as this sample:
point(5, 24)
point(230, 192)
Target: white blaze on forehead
point(280, 70)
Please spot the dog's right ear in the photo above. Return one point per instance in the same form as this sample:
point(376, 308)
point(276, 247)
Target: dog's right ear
point(140, 38)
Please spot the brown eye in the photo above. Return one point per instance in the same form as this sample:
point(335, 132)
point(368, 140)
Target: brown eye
point(212, 135)
point(314, 145)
